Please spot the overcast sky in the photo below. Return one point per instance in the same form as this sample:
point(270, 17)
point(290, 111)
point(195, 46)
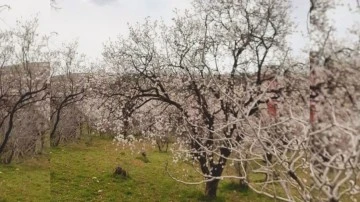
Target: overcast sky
point(93, 22)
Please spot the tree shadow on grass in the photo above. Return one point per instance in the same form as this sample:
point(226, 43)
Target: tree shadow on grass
point(233, 186)
point(199, 196)
point(244, 191)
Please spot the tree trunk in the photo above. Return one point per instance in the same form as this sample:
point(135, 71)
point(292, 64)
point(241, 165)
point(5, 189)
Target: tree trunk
point(8, 159)
point(57, 141)
point(9, 129)
point(56, 123)
point(211, 188)
point(167, 146)
point(243, 182)
point(333, 200)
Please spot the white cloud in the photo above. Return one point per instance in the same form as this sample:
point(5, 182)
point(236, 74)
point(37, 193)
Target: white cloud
point(93, 24)
point(95, 21)
point(103, 2)
point(25, 10)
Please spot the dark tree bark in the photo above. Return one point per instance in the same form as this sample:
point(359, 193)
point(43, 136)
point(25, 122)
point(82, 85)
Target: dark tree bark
point(211, 188)
point(24, 100)
point(68, 100)
point(8, 132)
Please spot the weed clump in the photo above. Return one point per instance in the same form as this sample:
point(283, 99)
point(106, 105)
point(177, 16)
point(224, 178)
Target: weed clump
point(120, 172)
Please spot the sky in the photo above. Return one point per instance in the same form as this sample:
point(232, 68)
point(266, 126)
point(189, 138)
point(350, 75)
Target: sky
point(93, 22)
point(24, 10)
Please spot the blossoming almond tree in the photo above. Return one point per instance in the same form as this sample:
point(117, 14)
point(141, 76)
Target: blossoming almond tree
point(313, 149)
point(68, 86)
point(319, 160)
point(24, 79)
point(334, 140)
point(205, 55)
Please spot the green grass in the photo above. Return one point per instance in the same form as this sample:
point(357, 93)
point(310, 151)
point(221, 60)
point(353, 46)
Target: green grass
point(26, 181)
point(84, 173)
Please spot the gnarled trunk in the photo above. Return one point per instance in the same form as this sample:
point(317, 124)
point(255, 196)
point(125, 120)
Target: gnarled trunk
point(211, 188)
point(333, 200)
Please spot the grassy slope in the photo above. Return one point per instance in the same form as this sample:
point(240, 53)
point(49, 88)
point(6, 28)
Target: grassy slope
point(84, 173)
point(26, 181)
